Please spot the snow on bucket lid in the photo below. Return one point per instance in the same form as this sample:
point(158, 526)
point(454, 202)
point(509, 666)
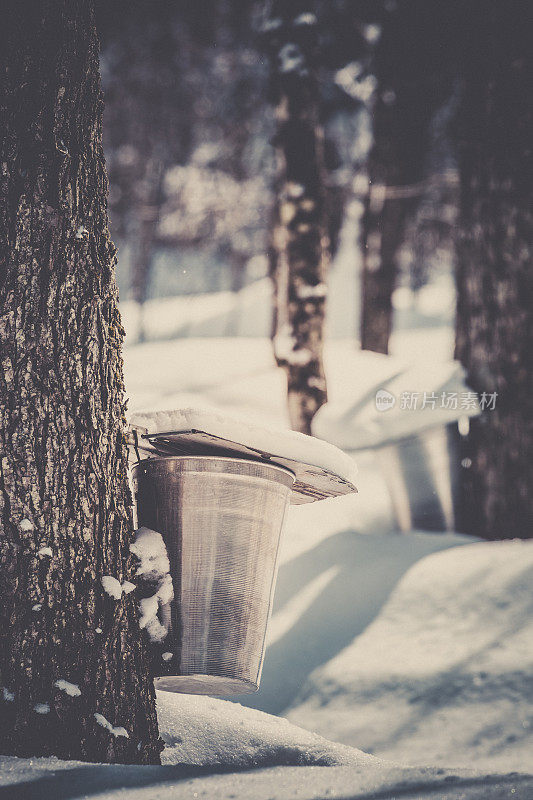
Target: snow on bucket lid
point(321, 470)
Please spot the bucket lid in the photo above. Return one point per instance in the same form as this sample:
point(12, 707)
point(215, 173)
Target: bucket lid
point(321, 470)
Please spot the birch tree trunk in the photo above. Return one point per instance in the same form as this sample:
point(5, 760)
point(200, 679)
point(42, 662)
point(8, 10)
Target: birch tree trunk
point(299, 250)
point(495, 262)
point(73, 665)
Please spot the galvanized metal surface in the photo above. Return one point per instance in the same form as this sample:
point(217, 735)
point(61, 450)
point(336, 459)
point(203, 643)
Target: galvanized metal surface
point(311, 482)
point(423, 476)
point(221, 520)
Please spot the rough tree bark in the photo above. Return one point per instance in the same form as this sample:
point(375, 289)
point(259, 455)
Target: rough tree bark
point(495, 262)
point(411, 67)
point(65, 516)
point(299, 250)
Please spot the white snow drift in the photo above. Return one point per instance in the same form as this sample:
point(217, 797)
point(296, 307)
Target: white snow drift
point(444, 675)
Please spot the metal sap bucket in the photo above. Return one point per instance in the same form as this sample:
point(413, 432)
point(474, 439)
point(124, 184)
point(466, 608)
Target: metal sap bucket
point(423, 474)
point(221, 520)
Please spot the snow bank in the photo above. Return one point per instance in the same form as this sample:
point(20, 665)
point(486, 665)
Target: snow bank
point(284, 444)
point(204, 730)
point(444, 674)
point(364, 777)
point(220, 750)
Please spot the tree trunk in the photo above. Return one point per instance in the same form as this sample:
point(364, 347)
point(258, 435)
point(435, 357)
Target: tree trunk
point(299, 242)
point(494, 262)
point(412, 71)
point(73, 665)
point(383, 227)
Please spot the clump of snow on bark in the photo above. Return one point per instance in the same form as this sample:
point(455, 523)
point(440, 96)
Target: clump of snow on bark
point(372, 33)
point(8, 695)
point(355, 83)
point(316, 383)
point(26, 525)
point(72, 689)
point(115, 730)
point(149, 607)
point(285, 347)
point(37, 607)
point(291, 59)
point(271, 25)
point(167, 656)
point(305, 292)
point(154, 568)
point(41, 708)
point(294, 190)
point(98, 630)
point(306, 19)
point(150, 549)
point(114, 588)
point(45, 551)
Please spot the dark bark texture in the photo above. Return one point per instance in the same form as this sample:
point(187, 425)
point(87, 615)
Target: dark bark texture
point(412, 70)
point(65, 505)
point(495, 262)
point(299, 241)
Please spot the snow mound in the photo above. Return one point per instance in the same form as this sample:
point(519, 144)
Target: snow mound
point(444, 674)
point(204, 730)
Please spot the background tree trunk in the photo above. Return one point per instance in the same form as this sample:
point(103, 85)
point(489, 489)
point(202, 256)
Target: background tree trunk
point(148, 122)
point(495, 269)
point(65, 515)
point(412, 72)
point(299, 248)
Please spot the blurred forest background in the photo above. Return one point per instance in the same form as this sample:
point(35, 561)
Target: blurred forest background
point(255, 147)
point(190, 129)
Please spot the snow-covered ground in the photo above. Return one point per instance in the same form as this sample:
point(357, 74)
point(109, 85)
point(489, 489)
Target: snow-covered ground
point(444, 674)
point(367, 779)
point(217, 749)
